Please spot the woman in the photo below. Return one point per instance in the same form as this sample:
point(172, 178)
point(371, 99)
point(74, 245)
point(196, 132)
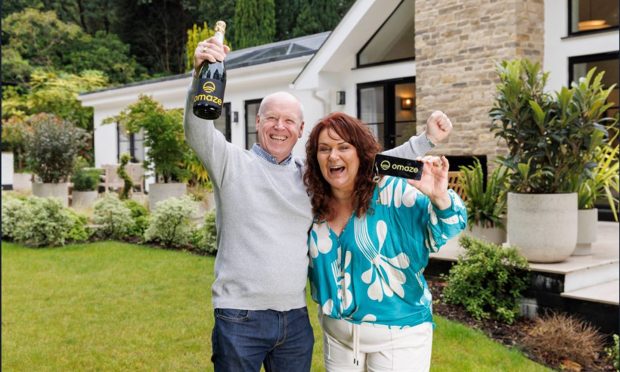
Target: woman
point(369, 244)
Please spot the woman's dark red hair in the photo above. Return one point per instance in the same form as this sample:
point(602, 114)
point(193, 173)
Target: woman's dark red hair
point(353, 131)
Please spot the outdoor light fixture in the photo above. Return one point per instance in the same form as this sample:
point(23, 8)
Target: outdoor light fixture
point(406, 103)
point(340, 97)
point(235, 117)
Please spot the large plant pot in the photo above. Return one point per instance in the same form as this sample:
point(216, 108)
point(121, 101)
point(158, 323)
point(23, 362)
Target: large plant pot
point(496, 235)
point(83, 199)
point(22, 182)
point(586, 231)
point(7, 171)
point(543, 226)
point(52, 190)
point(163, 191)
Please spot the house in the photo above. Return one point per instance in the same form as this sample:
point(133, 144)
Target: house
point(391, 63)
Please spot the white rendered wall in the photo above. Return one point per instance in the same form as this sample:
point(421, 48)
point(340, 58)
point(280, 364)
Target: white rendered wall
point(559, 47)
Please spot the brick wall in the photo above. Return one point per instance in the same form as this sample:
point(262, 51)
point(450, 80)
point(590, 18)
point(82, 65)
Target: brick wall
point(457, 44)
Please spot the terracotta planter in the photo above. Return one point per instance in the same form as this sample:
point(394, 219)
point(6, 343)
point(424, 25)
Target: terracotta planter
point(586, 231)
point(163, 191)
point(83, 199)
point(52, 190)
point(543, 226)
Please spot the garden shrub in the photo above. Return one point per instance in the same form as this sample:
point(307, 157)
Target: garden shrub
point(42, 222)
point(11, 207)
point(86, 179)
point(140, 217)
point(613, 353)
point(487, 280)
point(204, 238)
point(112, 217)
point(558, 337)
point(79, 231)
point(170, 223)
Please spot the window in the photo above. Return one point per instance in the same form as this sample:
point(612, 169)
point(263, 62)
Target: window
point(223, 122)
point(608, 62)
point(132, 143)
point(251, 109)
point(394, 41)
point(385, 108)
point(592, 15)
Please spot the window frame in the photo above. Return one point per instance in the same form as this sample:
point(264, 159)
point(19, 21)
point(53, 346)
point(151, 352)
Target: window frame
point(569, 24)
point(246, 103)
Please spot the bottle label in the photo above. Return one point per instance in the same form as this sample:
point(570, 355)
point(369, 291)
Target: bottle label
point(209, 92)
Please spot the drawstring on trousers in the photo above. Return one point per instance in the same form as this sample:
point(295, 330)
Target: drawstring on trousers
point(356, 344)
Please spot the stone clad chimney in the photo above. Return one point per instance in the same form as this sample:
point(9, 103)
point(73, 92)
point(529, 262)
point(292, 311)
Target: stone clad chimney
point(457, 45)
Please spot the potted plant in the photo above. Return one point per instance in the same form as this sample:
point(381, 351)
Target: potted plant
point(486, 206)
point(168, 153)
point(602, 184)
point(85, 184)
point(51, 149)
point(14, 171)
point(550, 138)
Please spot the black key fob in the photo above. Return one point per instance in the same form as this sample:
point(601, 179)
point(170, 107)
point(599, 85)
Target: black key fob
point(398, 167)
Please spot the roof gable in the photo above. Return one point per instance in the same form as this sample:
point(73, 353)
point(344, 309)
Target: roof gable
point(359, 24)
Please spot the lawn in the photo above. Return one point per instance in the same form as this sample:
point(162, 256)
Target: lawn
point(111, 306)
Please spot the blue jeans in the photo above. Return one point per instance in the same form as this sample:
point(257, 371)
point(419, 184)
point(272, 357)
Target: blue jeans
point(244, 339)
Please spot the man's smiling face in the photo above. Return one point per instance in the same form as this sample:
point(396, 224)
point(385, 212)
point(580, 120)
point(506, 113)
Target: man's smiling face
point(279, 124)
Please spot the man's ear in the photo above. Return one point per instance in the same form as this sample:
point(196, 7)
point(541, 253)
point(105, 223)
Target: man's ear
point(301, 129)
point(257, 121)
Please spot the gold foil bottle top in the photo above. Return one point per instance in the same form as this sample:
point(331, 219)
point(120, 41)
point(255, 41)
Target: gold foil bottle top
point(220, 26)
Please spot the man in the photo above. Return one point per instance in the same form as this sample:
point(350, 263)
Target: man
point(263, 217)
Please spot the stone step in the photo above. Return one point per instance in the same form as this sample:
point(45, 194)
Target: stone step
point(607, 293)
point(582, 272)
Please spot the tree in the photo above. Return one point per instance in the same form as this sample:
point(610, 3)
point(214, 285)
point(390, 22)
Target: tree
point(40, 39)
point(156, 31)
point(286, 16)
point(320, 15)
point(254, 22)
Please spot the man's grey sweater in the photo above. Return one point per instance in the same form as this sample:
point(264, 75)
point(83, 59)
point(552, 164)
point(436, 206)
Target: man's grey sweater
point(263, 217)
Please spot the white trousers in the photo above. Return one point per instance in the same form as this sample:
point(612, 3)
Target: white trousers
point(368, 347)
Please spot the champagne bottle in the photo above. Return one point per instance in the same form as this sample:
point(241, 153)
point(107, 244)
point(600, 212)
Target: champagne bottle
point(209, 98)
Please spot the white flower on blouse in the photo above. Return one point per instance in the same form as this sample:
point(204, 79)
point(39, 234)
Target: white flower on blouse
point(385, 276)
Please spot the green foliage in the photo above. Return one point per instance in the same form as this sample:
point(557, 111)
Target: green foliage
point(550, 138)
point(79, 231)
point(14, 135)
point(320, 15)
point(195, 35)
point(11, 209)
point(122, 173)
point(613, 353)
point(52, 146)
point(485, 206)
point(487, 280)
point(204, 238)
point(163, 136)
point(86, 179)
point(604, 181)
point(286, 16)
point(113, 217)
point(254, 22)
point(43, 222)
point(39, 39)
point(140, 216)
point(171, 223)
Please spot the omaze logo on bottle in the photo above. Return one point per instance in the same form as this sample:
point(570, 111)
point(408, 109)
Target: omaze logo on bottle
point(208, 87)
